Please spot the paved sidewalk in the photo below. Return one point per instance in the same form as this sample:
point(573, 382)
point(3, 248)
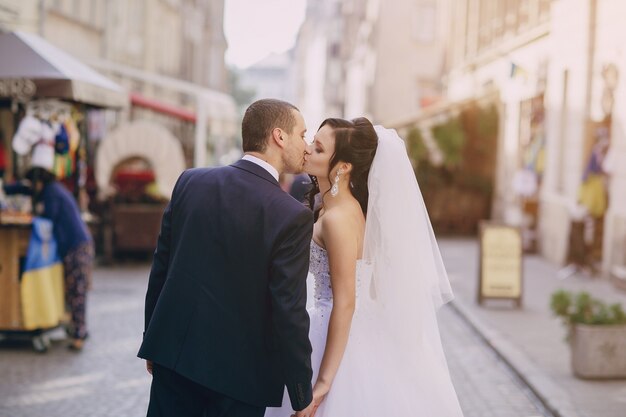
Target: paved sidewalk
point(531, 340)
point(485, 385)
point(107, 379)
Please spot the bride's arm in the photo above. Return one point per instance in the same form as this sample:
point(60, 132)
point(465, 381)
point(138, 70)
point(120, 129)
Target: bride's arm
point(342, 246)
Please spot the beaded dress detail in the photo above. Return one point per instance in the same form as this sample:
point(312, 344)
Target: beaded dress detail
point(319, 272)
point(319, 306)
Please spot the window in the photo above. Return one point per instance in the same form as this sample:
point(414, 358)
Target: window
point(491, 22)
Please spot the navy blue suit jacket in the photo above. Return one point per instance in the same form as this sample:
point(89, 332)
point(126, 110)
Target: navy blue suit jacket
point(225, 305)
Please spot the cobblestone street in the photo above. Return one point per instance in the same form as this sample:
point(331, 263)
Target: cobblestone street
point(485, 385)
point(107, 379)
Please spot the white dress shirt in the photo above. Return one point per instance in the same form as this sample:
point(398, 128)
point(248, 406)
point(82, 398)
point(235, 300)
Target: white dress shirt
point(266, 166)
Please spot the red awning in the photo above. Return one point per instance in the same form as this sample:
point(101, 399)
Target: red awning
point(139, 100)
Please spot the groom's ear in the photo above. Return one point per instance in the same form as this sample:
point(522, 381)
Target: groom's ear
point(278, 136)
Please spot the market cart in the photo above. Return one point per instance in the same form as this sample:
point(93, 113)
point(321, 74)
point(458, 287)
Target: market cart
point(136, 169)
point(32, 303)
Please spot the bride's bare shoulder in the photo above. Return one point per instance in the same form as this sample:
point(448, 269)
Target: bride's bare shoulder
point(343, 219)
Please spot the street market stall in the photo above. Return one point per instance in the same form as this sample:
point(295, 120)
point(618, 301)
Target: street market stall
point(137, 164)
point(45, 98)
point(136, 169)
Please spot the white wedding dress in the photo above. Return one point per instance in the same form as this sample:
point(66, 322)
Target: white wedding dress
point(320, 304)
point(393, 365)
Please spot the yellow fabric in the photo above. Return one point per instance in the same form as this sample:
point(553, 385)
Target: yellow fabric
point(592, 194)
point(152, 190)
point(540, 163)
point(43, 297)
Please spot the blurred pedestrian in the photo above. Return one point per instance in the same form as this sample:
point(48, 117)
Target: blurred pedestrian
point(300, 187)
point(74, 242)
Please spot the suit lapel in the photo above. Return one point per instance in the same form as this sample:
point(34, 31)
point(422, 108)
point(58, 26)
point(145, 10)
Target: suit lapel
point(255, 169)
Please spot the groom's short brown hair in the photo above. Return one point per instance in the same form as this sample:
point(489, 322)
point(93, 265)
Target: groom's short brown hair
point(261, 118)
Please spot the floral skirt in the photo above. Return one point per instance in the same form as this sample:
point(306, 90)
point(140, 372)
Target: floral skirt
point(78, 266)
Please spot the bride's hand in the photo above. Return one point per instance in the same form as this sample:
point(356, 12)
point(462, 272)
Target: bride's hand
point(319, 393)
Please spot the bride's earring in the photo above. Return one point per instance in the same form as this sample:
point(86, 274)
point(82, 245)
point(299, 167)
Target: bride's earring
point(334, 190)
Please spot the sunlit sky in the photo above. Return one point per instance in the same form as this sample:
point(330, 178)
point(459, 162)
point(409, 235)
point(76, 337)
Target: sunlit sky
point(256, 28)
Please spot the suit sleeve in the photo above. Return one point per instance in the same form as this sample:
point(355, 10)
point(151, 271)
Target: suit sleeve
point(290, 265)
point(160, 262)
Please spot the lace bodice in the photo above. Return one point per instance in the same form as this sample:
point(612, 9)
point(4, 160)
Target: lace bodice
point(320, 269)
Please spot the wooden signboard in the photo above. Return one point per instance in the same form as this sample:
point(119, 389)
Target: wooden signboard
point(500, 263)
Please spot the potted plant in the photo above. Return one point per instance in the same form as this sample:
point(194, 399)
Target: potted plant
point(596, 333)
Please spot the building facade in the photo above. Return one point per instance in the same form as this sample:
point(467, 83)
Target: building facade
point(552, 70)
point(503, 48)
point(400, 47)
point(317, 62)
point(273, 76)
point(555, 67)
point(162, 50)
point(606, 103)
point(367, 57)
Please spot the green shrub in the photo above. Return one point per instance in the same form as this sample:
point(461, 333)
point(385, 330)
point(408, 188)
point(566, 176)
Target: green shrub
point(584, 309)
point(418, 151)
point(450, 137)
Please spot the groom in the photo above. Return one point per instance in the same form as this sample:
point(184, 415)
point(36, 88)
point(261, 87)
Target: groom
point(225, 321)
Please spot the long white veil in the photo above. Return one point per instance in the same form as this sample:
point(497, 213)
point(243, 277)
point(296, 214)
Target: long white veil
point(399, 238)
point(394, 353)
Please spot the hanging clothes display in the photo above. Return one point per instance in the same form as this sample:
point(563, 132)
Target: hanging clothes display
point(67, 141)
point(592, 192)
point(36, 137)
point(49, 134)
point(592, 195)
point(27, 134)
point(535, 155)
point(43, 151)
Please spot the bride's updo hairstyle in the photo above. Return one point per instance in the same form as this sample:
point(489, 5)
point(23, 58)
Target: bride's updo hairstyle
point(355, 143)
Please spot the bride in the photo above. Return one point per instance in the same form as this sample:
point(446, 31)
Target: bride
point(378, 281)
